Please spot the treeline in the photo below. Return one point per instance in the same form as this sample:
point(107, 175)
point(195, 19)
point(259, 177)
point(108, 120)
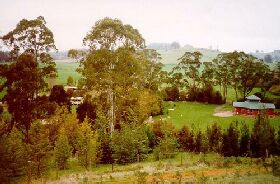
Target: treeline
point(194, 80)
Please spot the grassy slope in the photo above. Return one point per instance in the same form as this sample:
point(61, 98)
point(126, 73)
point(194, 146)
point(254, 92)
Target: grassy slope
point(194, 168)
point(172, 56)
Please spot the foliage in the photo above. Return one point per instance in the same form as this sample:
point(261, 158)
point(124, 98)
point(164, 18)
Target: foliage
point(244, 140)
point(86, 109)
point(31, 36)
point(172, 94)
point(24, 81)
point(13, 156)
point(185, 139)
point(87, 145)
point(276, 166)
point(206, 94)
point(262, 139)
point(130, 144)
point(166, 148)
point(62, 150)
point(189, 64)
point(214, 137)
point(39, 149)
point(70, 81)
point(230, 145)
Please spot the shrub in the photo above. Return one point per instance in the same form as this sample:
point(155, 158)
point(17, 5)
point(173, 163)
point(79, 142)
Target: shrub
point(172, 93)
point(130, 144)
point(166, 149)
point(276, 166)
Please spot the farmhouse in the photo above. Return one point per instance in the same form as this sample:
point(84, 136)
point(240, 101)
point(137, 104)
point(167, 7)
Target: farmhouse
point(253, 106)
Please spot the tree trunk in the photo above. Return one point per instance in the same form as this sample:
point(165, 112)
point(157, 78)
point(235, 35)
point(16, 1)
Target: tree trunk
point(111, 111)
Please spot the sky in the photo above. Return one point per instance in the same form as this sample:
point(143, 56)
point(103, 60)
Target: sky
point(227, 25)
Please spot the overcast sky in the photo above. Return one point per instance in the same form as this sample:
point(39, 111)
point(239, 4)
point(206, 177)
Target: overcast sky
point(227, 24)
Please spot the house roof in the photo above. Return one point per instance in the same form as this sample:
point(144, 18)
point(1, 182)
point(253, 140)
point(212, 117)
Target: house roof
point(253, 97)
point(254, 105)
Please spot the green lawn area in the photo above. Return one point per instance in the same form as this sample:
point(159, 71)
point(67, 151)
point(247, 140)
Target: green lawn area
point(199, 115)
point(65, 69)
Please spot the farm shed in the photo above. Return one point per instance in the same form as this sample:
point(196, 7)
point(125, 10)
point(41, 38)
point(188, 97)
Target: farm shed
point(253, 106)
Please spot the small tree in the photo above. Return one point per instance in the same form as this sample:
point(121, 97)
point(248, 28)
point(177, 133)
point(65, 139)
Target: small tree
point(185, 139)
point(130, 144)
point(262, 140)
point(214, 135)
point(70, 81)
point(230, 144)
point(59, 95)
point(166, 149)
point(62, 150)
point(244, 140)
point(39, 149)
point(13, 156)
point(86, 145)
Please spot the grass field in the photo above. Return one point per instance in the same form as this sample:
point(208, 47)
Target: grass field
point(65, 69)
point(199, 115)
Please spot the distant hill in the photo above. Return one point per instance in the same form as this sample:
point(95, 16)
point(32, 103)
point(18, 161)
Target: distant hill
point(171, 55)
point(275, 55)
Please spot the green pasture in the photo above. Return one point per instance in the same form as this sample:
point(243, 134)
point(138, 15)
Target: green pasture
point(65, 69)
point(199, 115)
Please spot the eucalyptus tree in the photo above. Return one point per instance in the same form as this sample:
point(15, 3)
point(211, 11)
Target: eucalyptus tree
point(189, 65)
point(31, 36)
point(241, 71)
point(112, 67)
point(23, 81)
point(222, 74)
point(207, 75)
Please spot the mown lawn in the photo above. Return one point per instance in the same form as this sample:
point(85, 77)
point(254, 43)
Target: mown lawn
point(199, 115)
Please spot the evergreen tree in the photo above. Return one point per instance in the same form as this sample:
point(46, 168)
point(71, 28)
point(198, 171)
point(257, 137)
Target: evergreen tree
point(13, 156)
point(130, 144)
point(62, 150)
point(86, 145)
point(185, 139)
point(39, 149)
point(244, 140)
point(230, 146)
point(262, 140)
point(277, 142)
point(214, 136)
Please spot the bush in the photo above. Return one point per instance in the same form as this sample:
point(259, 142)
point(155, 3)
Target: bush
point(130, 144)
point(166, 149)
point(206, 95)
point(276, 166)
point(275, 89)
point(172, 94)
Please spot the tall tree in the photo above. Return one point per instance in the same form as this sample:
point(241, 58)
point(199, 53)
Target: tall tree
point(31, 36)
point(24, 81)
point(189, 64)
point(112, 67)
